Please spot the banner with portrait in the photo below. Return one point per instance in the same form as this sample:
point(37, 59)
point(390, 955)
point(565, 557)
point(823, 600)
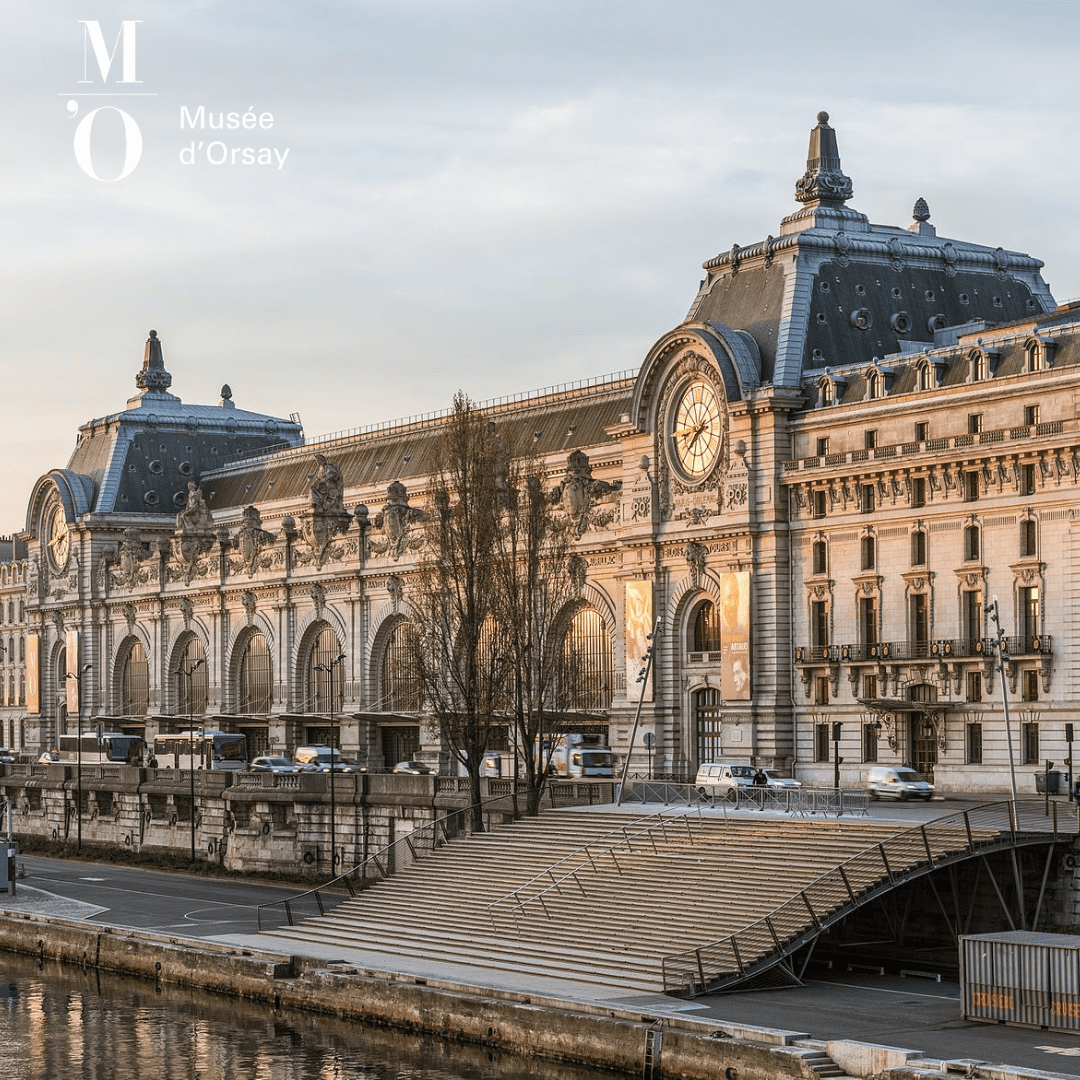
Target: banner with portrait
point(33, 672)
point(71, 675)
point(735, 636)
point(639, 625)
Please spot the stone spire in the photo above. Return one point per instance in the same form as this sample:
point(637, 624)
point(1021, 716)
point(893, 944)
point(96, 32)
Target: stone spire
point(823, 183)
point(153, 376)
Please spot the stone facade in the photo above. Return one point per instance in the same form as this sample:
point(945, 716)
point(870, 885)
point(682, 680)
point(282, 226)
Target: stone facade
point(817, 483)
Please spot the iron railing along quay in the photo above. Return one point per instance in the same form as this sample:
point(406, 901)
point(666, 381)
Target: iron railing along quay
point(830, 802)
point(911, 853)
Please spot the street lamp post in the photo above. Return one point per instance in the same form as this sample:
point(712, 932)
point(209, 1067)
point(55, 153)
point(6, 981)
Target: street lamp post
point(643, 678)
point(329, 669)
point(1003, 655)
point(78, 677)
point(188, 672)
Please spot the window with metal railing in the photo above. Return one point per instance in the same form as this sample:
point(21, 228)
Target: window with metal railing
point(254, 692)
point(135, 682)
point(401, 686)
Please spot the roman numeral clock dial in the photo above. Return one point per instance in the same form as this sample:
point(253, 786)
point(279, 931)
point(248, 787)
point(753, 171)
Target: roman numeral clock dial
point(697, 431)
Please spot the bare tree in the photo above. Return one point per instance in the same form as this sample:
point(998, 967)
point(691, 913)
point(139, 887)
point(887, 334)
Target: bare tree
point(456, 648)
point(535, 595)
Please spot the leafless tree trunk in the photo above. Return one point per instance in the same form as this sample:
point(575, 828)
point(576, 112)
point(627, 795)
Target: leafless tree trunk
point(456, 648)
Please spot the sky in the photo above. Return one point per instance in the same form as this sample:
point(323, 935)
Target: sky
point(491, 196)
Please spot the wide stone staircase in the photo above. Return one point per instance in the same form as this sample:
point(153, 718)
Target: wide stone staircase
point(597, 896)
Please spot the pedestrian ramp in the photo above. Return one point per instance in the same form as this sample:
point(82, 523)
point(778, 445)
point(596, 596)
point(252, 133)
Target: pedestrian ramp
point(676, 902)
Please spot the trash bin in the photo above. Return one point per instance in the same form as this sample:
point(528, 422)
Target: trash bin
point(1048, 783)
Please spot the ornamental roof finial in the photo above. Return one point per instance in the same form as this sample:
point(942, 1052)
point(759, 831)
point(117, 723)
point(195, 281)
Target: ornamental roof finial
point(153, 375)
point(823, 183)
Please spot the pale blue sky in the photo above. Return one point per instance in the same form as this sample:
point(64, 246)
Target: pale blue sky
point(491, 196)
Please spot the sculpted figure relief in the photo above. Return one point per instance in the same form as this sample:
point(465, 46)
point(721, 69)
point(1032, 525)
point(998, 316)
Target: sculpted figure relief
point(329, 518)
point(395, 520)
point(251, 540)
point(579, 493)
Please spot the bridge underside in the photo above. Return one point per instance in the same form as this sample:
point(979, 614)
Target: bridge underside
point(902, 904)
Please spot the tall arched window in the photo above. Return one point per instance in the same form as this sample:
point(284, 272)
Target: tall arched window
point(192, 691)
point(324, 697)
point(587, 663)
point(706, 628)
point(135, 682)
point(400, 674)
point(255, 677)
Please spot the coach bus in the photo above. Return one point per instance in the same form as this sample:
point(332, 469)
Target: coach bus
point(104, 748)
point(217, 750)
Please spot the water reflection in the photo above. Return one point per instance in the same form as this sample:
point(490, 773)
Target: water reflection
point(60, 1022)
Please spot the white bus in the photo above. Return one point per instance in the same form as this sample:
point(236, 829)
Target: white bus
point(106, 747)
point(212, 750)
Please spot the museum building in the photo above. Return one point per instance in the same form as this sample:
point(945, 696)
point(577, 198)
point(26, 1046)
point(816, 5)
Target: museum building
point(844, 489)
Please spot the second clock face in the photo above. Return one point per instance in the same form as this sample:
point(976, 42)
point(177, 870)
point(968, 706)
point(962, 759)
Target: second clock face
point(59, 540)
point(697, 430)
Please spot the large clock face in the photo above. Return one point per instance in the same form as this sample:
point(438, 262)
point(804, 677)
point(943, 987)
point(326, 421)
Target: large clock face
point(58, 537)
point(697, 430)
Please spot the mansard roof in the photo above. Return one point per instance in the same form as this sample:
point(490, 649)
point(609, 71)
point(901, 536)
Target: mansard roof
point(139, 461)
point(833, 290)
point(545, 424)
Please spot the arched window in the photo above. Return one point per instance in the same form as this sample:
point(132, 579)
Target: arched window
point(401, 691)
point(873, 385)
point(925, 379)
point(254, 693)
point(971, 542)
point(918, 548)
point(868, 549)
point(586, 663)
point(706, 628)
point(22, 688)
point(192, 691)
point(135, 682)
point(1028, 538)
point(61, 674)
point(820, 557)
point(323, 695)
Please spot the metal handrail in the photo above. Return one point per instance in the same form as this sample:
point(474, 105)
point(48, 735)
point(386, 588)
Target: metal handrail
point(858, 880)
point(433, 834)
point(586, 855)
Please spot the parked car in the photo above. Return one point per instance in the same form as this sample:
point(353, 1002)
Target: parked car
point(776, 781)
point(323, 759)
point(271, 764)
point(417, 768)
point(897, 782)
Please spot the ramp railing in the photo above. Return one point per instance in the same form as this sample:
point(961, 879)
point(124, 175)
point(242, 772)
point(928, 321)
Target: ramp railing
point(877, 869)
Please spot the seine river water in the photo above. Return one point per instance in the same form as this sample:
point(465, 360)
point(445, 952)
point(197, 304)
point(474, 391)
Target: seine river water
point(61, 1022)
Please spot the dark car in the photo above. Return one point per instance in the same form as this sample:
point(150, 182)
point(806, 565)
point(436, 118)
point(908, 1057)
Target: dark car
point(271, 764)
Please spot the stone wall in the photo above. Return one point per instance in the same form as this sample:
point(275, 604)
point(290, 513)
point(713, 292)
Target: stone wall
point(245, 822)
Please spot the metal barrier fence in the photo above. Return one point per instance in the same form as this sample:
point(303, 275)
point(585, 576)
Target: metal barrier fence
point(623, 838)
point(881, 867)
point(801, 802)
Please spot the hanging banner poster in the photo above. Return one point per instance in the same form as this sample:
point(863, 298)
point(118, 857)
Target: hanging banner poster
point(735, 636)
point(639, 625)
point(71, 681)
point(33, 669)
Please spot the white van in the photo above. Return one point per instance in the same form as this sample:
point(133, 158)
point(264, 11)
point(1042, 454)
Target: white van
point(897, 782)
point(724, 776)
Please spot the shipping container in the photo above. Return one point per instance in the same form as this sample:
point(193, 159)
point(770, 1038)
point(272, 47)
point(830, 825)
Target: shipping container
point(1020, 977)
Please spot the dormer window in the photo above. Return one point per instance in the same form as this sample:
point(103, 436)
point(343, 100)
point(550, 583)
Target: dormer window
point(925, 379)
point(977, 360)
point(873, 386)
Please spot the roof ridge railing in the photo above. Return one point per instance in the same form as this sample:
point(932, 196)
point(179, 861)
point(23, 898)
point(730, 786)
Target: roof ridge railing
point(616, 837)
point(421, 420)
point(686, 971)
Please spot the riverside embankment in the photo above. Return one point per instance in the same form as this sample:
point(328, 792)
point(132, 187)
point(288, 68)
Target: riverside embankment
point(624, 1038)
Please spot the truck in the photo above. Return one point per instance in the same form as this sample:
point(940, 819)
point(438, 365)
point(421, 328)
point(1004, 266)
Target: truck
point(578, 756)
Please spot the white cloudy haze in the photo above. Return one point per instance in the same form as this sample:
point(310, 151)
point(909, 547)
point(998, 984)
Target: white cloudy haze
point(486, 195)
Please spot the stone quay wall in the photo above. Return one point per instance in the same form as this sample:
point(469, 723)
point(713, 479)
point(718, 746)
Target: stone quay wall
point(557, 1031)
point(246, 822)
